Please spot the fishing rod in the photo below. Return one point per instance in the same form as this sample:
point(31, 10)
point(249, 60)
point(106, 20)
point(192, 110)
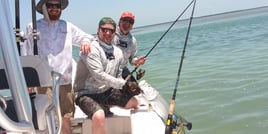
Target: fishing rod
point(35, 36)
point(141, 73)
point(17, 23)
point(171, 122)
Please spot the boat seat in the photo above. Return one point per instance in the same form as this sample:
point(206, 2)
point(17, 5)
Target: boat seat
point(37, 74)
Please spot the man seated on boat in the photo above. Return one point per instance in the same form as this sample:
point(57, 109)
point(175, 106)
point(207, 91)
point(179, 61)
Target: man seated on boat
point(98, 83)
point(56, 37)
point(127, 43)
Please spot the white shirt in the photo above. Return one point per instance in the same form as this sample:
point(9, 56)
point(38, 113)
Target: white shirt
point(55, 45)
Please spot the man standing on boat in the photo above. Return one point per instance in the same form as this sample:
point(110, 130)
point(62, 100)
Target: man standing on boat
point(98, 82)
point(56, 38)
point(127, 42)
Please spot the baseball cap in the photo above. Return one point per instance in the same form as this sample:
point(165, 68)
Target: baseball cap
point(127, 14)
point(107, 20)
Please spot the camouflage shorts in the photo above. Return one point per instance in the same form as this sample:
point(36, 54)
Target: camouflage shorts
point(91, 103)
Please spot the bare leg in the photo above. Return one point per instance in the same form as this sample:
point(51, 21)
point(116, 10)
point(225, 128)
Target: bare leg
point(66, 126)
point(98, 120)
point(132, 103)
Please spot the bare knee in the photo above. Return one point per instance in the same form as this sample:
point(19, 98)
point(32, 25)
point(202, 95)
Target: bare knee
point(132, 103)
point(98, 118)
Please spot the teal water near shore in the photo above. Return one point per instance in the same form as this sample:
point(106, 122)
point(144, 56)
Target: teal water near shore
point(224, 77)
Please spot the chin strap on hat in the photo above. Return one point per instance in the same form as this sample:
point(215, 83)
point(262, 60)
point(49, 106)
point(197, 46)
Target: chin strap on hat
point(45, 13)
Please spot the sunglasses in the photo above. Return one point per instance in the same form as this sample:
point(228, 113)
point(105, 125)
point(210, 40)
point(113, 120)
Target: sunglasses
point(105, 30)
point(130, 21)
point(51, 5)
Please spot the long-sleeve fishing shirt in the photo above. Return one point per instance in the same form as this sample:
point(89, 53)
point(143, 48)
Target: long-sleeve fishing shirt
point(55, 45)
point(99, 70)
point(128, 44)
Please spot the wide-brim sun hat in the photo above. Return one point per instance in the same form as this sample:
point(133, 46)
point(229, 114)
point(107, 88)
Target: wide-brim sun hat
point(64, 4)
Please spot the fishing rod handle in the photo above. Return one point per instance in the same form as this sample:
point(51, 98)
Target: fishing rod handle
point(128, 77)
point(171, 107)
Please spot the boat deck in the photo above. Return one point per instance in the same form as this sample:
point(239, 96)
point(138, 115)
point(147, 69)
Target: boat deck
point(139, 121)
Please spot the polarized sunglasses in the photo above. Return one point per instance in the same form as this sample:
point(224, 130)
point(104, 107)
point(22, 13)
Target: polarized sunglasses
point(51, 5)
point(130, 21)
point(105, 30)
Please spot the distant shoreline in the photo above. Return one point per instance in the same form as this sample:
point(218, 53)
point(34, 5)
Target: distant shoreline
point(217, 16)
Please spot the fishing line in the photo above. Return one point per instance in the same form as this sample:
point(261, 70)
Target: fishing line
point(169, 124)
point(174, 22)
point(169, 28)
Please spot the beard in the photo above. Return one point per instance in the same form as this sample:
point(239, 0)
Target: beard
point(54, 17)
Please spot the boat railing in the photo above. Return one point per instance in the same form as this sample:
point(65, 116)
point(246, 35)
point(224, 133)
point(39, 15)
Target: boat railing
point(11, 58)
point(14, 74)
point(54, 128)
point(13, 126)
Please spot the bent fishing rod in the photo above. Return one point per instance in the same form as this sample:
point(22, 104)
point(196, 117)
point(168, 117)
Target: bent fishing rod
point(174, 22)
point(171, 123)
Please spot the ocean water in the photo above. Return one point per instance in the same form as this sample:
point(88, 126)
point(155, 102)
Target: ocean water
point(224, 77)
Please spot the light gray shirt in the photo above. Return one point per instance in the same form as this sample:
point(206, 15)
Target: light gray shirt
point(128, 44)
point(96, 73)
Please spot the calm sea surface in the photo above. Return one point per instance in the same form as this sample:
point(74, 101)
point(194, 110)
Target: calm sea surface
point(224, 78)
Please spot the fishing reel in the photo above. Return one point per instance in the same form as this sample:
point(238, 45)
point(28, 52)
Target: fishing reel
point(176, 125)
point(140, 74)
point(20, 36)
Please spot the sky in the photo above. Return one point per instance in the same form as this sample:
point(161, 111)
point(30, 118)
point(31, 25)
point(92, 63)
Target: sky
point(86, 13)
